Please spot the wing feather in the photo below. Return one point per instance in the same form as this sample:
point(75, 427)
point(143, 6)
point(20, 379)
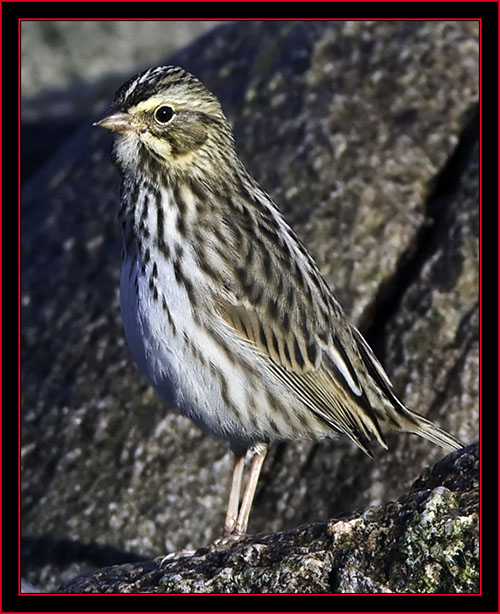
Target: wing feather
point(272, 294)
point(322, 377)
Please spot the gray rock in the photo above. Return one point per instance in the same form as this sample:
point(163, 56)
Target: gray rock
point(365, 134)
point(28, 588)
point(425, 542)
point(56, 54)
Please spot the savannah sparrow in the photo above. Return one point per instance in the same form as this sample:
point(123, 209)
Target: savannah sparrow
point(224, 309)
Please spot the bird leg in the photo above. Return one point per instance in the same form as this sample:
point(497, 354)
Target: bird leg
point(234, 495)
point(260, 451)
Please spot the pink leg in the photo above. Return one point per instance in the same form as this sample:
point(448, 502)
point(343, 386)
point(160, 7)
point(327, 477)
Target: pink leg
point(234, 495)
point(260, 451)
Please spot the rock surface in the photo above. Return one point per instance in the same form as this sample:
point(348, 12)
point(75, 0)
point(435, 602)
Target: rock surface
point(55, 54)
point(425, 542)
point(365, 134)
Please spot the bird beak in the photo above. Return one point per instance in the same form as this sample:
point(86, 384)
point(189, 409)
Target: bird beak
point(117, 121)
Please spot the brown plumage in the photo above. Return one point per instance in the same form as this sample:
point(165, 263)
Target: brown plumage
point(224, 309)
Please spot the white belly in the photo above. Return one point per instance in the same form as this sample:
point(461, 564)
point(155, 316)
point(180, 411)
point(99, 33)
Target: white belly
point(157, 340)
point(150, 336)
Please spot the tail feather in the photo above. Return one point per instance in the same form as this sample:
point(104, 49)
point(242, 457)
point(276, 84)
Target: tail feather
point(395, 415)
point(423, 427)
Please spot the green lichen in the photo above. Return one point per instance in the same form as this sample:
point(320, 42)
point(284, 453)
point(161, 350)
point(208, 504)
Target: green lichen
point(441, 548)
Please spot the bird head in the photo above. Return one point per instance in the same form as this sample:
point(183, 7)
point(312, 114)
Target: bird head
point(166, 119)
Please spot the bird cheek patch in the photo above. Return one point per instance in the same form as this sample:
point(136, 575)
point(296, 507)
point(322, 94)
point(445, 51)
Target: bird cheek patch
point(186, 138)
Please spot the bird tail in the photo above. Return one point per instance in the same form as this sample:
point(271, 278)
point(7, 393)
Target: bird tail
point(409, 421)
point(423, 427)
point(396, 415)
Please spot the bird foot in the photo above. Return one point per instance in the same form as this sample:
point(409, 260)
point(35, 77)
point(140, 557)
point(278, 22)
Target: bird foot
point(228, 539)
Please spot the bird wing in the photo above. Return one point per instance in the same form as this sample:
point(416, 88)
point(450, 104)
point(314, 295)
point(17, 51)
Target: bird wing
point(291, 317)
point(271, 293)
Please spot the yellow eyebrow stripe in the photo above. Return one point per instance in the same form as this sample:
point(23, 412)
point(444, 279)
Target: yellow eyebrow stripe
point(149, 104)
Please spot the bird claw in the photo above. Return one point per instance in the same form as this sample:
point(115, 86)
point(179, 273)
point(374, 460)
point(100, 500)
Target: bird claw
point(228, 539)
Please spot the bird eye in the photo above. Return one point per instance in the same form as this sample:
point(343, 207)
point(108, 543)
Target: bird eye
point(164, 114)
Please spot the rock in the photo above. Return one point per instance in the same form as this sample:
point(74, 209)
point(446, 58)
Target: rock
point(55, 54)
point(425, 542)
point(365, 134)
